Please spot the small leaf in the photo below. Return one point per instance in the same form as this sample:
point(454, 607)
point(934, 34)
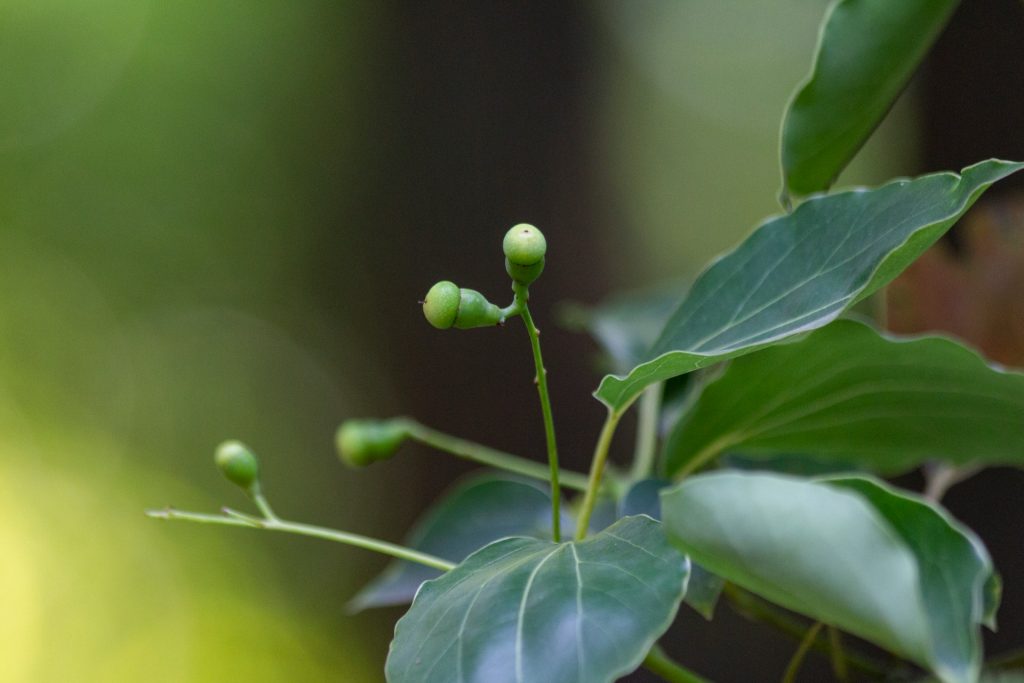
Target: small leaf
point(867, 51)
point(884, 565)
point(847, 394)
point(471, 516)
point(523, 610)
point(798, 272)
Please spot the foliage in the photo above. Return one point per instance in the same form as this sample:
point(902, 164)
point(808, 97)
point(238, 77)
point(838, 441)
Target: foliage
point(497, 593)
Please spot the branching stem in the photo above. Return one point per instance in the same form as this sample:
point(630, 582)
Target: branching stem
point(491, 457)
point(234, 518)
point(756, 609)
point(801, 653)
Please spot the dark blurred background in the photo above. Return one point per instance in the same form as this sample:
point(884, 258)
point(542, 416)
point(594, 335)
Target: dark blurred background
point(216, 220)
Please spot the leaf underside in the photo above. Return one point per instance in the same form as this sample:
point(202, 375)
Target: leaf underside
point(523, 610)
point(850, 552)
point(800, 271)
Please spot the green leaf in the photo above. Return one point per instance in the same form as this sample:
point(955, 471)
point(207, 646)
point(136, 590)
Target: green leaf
point(528, 611)
point(471, 516)
point(867, 51)
point(847, 394)
point(800, 271)
point(704, 588)
point(883, 565)
point(953, 567)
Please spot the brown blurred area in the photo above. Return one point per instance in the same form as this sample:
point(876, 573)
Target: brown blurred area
point(974, 290)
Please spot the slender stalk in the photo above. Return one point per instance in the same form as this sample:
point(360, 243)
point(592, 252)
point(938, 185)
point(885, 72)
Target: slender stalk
point(604, 441)
point(704, 456)
point(522, 296)
point(261, 502)
point(491, 457)
point(755, 609)
point(939, 477)
point(801, 653)
point(659, 663)
point(836, 654)
point(232, 518)
point(1013, 659)
point(647, 432)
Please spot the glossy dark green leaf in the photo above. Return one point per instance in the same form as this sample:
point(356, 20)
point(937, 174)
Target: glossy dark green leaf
point(852, 552)
point(704, 588)
point(846, 393)
point(523, 610)
point(476, 513)
point(800, 271)
point(867, 51)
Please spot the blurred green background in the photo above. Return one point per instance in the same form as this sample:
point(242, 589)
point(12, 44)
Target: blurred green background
point(215, 221)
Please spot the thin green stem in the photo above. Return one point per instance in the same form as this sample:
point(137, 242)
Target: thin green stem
point(522, 295)
point(1013, 659)
point(756, 609)
point(801, 653)
point(604, 441)
point(241, 516)
point(659, 663)
point(276, 524)
point(491, 457)
point(837, 655)
point(261, 502)
point(647, 432)
point(704, 456)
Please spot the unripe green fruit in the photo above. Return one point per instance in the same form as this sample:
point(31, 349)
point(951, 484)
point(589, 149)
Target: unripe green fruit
point(363, 442)
point(238, 464)
point(446, 306)
point(524, 247)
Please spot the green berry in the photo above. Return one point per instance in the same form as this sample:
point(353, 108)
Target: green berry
point(238, 464)
point(447, 306)
point(441, 305)
point(524, 247)
point(363, 442)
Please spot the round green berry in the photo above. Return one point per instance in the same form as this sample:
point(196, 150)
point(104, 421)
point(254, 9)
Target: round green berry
point(441, 305)
point(524, 247)
point(238, 464)
point(363, 442)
